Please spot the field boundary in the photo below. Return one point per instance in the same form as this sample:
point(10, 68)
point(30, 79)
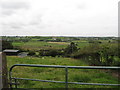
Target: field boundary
point(66, 74)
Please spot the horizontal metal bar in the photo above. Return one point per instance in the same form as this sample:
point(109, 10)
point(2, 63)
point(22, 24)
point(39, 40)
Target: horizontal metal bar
point(67, 82)
point(14, 83)
point(93, 84)
point(38, 80)
point(59, 66)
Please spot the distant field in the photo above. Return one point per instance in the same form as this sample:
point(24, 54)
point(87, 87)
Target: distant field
point(82, 44)
point(60, 43)
point(36, 45)
point(18, 43)
point(39, 45)
point(76, 75)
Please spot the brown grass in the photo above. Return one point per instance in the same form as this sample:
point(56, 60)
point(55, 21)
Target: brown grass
point(60, 43)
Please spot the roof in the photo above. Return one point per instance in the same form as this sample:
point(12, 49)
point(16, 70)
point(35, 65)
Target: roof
point(8, 50)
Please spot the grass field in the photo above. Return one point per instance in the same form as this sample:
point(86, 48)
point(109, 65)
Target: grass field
point(40, 45)
point(18, 43)
point(37, 45)
point(75, 75)
point(60, 43)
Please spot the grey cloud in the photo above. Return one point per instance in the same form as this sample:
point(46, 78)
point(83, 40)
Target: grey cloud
point(14, 25)
point(14, 5)
point(9, 8)
point(7, 12)
point(81, 6)
point(36, 20)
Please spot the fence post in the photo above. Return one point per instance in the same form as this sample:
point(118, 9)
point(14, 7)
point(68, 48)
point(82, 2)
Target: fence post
point(66, 78)
point(3, 71)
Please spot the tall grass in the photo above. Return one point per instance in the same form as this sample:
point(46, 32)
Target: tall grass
point(75, 75)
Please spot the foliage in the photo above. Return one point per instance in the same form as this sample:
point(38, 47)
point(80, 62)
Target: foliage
point(31, 53)
point(50, 52)
point(6, 45)
point(94, 50)
point(97, 54)
point(71, 48)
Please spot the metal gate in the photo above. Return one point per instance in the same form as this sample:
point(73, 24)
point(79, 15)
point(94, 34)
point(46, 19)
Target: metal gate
point(66, 74)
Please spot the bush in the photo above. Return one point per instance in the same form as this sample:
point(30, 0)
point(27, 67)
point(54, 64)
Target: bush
point(72, 48)
point(31, 53)
point(51, 52)
point(6, 44)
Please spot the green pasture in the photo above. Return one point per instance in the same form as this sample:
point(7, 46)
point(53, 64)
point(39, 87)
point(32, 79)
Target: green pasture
point(82, 44)
point(75, 75)
point(42, 45)
point(37, 45)
point(18, 44)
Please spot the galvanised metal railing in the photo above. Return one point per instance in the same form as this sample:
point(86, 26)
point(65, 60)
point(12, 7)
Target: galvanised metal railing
point(66, 74)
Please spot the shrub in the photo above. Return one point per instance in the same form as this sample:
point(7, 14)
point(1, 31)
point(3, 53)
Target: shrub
point(72, 48)
point(31, 53)
point(51, 52)
point(6, 44)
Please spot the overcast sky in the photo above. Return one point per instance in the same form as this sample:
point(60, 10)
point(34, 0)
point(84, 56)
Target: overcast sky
point(59, 17)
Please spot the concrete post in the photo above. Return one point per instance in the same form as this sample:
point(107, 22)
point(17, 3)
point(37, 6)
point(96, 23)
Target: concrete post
point(3, 71)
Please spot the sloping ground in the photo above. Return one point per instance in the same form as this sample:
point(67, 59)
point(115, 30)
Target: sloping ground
point(75, 75)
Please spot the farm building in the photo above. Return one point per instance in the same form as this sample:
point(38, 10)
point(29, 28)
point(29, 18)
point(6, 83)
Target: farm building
point(11, 52)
